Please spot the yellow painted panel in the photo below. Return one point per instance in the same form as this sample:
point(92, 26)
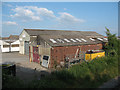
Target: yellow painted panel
point(92, 56)
point(87, 57)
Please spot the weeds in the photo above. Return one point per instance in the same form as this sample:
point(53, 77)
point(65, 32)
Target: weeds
point(86, 75)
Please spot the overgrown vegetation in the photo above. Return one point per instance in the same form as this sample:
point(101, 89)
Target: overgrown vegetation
point(86, 75)
point(113, 45)
point(12, 82)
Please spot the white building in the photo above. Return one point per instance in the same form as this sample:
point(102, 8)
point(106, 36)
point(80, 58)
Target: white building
point(9, 44)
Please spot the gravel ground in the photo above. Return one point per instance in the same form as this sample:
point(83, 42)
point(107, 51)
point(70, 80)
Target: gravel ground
point(25, 70)
point(14, 57)
point(21, 61)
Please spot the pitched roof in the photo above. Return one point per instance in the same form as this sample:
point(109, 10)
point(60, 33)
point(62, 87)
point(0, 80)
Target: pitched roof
point(59, 40)
point(11, 37)
point(14, 37)
point(5, 38)
point(57, 37)
point(61, 32)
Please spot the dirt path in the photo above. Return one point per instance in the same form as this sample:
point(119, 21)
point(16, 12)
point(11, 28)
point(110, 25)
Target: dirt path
point(113, 83)
point(27, 71)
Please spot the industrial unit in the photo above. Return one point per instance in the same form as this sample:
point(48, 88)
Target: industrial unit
point(52, 47)
point(9, 44)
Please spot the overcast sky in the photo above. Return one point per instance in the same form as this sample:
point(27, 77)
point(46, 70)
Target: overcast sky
point(80, 16)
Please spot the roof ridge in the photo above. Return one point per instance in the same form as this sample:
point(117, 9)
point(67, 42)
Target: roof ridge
point(57, 30)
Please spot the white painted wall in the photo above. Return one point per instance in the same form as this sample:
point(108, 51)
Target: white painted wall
point(21, 51)
point(15, 49)
point(4, 43)
point(24, 36)
point(5, 49)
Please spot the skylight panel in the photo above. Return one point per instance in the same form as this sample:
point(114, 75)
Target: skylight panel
point(61, 41)
point(100, 39)
point(84, 40)
point(73, 40)
point(105, 38)
point(92, 39)
point(78, 40)
point(53, 41)
point(66, 40)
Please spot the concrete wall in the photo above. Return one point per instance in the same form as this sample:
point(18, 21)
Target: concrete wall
point(58, 54)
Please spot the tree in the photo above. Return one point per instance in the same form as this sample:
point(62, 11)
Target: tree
point(111, 47)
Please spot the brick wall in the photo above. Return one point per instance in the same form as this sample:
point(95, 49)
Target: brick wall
point(58, 54)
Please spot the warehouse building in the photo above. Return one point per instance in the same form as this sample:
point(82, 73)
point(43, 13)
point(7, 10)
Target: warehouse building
point(53, 47)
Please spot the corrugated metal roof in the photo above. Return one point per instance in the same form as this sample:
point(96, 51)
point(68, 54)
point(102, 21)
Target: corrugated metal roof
point(11, 37)
point(5, 38)
point(53, 36)
point(61, 32)
point(68, 37)
point(14, 37)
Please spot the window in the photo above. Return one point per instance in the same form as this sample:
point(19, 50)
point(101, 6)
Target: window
point(73, 40)
point(60, 40)
point(100, 39)
point(53, 41)
point(15, 45)
point(66, 40)
point(83, 40)
point(92, 39)
point(78, 40)
point(6, 46)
